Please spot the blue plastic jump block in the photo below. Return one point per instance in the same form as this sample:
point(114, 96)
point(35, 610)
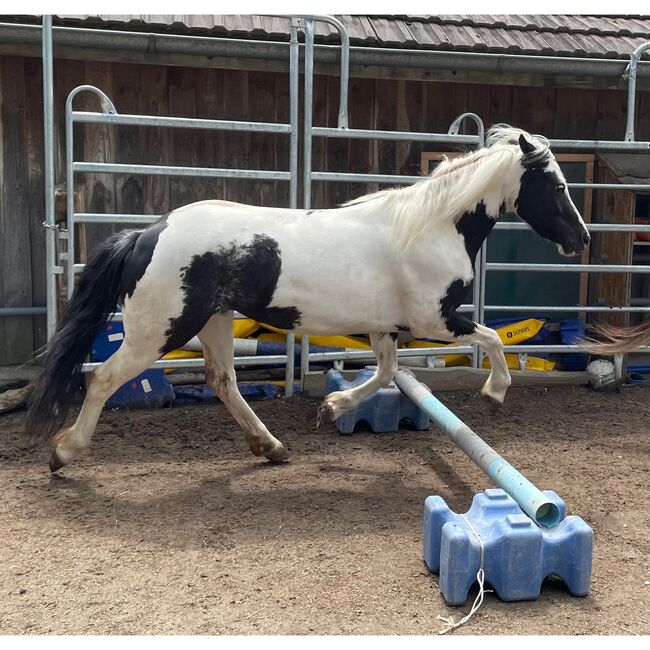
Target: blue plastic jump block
point(518, 554)
point(148, 389)
point(383, 410)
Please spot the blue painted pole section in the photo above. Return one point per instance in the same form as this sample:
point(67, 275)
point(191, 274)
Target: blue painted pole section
point(531, 500)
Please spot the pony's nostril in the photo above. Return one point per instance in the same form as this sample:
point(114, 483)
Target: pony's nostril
point(586, 238)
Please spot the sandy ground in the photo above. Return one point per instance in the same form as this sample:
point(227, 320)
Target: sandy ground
point(170, 526)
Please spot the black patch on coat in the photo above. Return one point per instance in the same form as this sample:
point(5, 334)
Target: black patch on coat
point(455, 323)
point(241, 278)
point(475, 227)
point(140, 257)
point(393, 335)
point(402, 328)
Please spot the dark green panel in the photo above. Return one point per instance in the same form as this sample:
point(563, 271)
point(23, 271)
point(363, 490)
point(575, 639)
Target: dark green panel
point(517, 246)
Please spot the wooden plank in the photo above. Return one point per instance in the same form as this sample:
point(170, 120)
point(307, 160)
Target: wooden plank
point(337, 148)
point(479, 102)
point(236, 145)
point(281, 103)
point(99, 146)
point(261, 90)
point(611, 206)
point(611, 115)
point(35, 191)
point(182, 88)
point(129, 190)
point(533, 109)
point(361, 151)
point(385, 120)
point(16, 335)
point(209, 148)
point(155, 146)
point(500, 106)
point(575, 113)
point(321, 117)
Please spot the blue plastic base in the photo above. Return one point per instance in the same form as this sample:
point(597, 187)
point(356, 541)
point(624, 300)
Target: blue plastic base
point(201, 393)
point(382, 411)
point(518, 553)
point(149, 389)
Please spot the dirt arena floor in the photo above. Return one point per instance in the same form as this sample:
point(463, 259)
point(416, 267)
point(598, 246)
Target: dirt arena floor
point(170, 526)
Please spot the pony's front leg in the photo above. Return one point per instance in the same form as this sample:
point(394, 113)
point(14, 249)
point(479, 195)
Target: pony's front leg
point(384, 346)
point(464, 330)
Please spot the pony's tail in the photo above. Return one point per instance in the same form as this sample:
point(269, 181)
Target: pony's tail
point(94, 298)
point(618, 339)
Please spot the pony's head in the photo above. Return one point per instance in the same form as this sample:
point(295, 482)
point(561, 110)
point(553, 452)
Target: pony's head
point(543, 199)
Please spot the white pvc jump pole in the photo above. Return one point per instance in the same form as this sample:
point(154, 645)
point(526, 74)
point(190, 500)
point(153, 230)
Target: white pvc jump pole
point(531, 500)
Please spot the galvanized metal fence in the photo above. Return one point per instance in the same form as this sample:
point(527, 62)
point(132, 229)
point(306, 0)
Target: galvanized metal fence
point(110, 116)
point(478, 308)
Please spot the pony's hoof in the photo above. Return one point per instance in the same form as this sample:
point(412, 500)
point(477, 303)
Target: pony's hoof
point(494, 402)
point(278, 455)
point(55, 462)
point(324, 413)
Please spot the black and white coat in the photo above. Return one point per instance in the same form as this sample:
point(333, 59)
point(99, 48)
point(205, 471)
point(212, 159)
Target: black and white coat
point(395, 260)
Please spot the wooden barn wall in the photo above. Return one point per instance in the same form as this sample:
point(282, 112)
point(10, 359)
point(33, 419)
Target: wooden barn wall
point(237, 95)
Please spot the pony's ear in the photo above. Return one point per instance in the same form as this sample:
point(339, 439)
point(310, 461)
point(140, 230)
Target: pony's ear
point(526, 147)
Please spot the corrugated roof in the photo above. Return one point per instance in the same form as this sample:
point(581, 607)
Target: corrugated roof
point(564, 35)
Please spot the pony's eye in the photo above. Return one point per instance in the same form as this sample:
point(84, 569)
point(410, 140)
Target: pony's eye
point(560, 188)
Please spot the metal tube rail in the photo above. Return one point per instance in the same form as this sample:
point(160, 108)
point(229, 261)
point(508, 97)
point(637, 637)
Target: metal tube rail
point(107, 107)
point(23, 311)
point(164, 170)
point(568, 268)
point(125, 119)
point(567, 308)
point(596, 145)
point(532, 501)
point(454, 128)
point(348, 177)
point(294, 79)
point(592, 227)
point(308, 118)
point(405, 136)
point(110, 217)
point(630, 73)
point(345, 60)
point(359, 355)
point(48, 173)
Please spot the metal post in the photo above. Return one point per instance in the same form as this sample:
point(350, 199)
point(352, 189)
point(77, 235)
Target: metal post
point(630, 73)
point(533, 502)
point(50, 217)
point(307, 162)
point(345, 61)
point(107, 107)
point(290, 368)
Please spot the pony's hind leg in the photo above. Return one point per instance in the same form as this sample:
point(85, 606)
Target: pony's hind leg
point(133, 356)
point(384, 346)
point(216, 339)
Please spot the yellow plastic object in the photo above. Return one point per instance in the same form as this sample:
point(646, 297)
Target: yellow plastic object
point(519, 332)
point(183, 354)
point(532, 363)
point(352, 342)
point(450, 359)
point(244, 328)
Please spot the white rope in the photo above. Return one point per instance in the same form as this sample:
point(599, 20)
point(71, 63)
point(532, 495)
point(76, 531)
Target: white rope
point(480, 577)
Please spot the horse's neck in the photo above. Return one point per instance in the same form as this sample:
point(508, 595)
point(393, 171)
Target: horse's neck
point(475, 226)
